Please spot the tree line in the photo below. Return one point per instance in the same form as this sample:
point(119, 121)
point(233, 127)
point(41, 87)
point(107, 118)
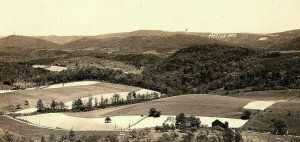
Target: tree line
point(95, 103)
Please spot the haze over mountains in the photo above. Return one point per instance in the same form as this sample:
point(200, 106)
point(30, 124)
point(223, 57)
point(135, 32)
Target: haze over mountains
point(154, 40)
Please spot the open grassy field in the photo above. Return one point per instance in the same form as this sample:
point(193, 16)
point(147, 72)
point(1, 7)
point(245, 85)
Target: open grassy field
point(36, 132)
point(59, 94)
point(289, 111)
point(193, 104)
point(269, 95)
point(250, 136)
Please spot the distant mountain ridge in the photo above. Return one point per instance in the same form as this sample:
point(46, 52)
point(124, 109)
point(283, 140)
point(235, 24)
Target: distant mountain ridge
point(143, 40)
point(27, 42)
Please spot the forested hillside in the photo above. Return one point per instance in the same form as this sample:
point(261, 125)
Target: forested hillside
point(204, 68)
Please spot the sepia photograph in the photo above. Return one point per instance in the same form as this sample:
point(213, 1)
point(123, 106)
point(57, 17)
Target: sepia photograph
point(149, 70)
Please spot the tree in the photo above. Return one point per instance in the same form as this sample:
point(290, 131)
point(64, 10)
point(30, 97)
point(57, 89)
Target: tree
point(202, 138)
point(72, 135)
point(129, 97)
point(115, 99)
point(96, 102)
point(53, 104)
point(78, 105)
point(8, 137)
point(294, 139)
point(26, 103)
point(134, 94)
point(63, 138)
point(61, 105)
point(166, 127)
point(43, 139)
point(228, 135)
point(52, 138)
point(152, 112)
point(40, 106)
point(111, 138)
point(246, 115)
point(89, 104)
point(238, 137)
point(188, 137)
point(158, 128)
point(180, 119)
point(194, 122)
point(168, 138)
point(172, 127)
point(280, 127)
point(107, 120)
point(183, 127)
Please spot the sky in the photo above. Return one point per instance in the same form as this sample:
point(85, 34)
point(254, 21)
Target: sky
point(94, 17)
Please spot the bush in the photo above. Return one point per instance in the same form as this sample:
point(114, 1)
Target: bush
point(111, 138)
point(295, 139)
point(280, 127)
point(188, 137)
point(246, 115)
point(154, 113)
point(107, 120)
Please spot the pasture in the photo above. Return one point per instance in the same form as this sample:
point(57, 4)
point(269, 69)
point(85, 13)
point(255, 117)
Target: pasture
point(288, 111)
point(62, 121)
point(67, 93)
point(193, 104)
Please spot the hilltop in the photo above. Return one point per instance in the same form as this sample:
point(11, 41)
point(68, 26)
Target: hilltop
point(26, 42)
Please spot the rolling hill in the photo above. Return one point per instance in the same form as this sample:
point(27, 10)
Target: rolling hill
point(272, 41)
point(27, 42)
point(200, 69)
point(162, 44)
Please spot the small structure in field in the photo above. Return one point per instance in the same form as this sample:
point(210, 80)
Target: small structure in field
point(220, 124)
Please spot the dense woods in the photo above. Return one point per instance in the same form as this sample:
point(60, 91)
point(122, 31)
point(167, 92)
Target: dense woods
point(200, 69)
point(197, 69)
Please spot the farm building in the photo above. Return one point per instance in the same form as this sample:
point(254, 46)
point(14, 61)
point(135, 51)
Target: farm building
point(220, 124)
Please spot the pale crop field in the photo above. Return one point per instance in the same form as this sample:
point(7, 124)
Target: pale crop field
point(60, 85)
point(62, 121)
point(56, 68)
point(259, 105)
point(205, 121)
point(71, 84)
point(6, 91)
point(51, 68)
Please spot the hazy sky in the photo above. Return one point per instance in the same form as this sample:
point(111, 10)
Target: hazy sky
point(93, 17)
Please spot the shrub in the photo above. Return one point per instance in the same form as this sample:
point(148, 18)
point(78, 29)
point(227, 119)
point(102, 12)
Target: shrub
point(111, 138)
point(295, 139)
point(246, 115)
point(154, 113)
point(280, 127)
point(107, 120)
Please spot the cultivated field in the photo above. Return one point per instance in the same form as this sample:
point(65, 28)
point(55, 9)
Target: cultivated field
point(268, 95)
point(51, 68)
point(36, 132)
point(62, 121)
point(259, 105)
point(196, 104)
point(63, 94)
point(288, 111)
point(250, 136)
